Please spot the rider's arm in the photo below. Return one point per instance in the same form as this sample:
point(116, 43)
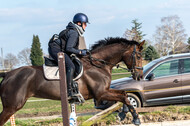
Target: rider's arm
point(71, 43)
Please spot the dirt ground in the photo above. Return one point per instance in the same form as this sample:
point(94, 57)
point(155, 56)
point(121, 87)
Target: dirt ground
point(166, 123)
point(158, 118)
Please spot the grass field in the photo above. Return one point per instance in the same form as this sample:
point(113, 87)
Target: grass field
point(120, 76)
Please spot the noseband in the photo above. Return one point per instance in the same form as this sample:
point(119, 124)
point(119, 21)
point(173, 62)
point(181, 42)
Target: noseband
point(103, 62)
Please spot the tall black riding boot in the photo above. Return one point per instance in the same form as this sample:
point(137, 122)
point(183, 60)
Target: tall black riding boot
point(69, 74)
point(136, 119)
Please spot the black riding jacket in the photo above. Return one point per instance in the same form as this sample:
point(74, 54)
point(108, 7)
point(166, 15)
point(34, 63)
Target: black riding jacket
point(72, 40)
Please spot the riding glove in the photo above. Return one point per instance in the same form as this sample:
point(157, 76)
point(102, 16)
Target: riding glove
point(83, 52)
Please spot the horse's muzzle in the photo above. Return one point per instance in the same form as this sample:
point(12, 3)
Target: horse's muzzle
point(137, 76)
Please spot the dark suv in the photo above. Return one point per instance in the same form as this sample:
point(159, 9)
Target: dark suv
point(166, 81)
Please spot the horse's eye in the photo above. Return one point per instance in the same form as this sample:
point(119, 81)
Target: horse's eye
point(138, 57)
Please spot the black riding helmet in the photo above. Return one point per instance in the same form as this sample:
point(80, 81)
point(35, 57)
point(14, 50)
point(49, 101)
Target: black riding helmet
point(80, 17)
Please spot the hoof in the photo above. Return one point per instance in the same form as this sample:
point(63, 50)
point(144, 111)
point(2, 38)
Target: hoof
point(122, 116)
point(137, 121)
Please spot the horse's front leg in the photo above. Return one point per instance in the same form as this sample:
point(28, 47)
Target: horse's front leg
point(118, 95)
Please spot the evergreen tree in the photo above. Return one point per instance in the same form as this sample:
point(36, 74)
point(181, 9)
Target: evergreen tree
point(151, 53)
point(144, 48)
point(36, 52)
point(135, 32)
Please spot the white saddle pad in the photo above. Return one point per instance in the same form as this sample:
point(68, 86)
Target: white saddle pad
point(51, 73)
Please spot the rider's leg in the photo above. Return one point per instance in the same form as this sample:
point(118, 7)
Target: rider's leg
point(53, 53)
point(70, 69)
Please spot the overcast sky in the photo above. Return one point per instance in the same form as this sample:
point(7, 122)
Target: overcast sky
point(20, 19)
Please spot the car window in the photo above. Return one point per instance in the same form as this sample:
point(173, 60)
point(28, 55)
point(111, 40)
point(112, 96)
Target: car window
point(186, 66)
point(148, 66)
point(166, 69)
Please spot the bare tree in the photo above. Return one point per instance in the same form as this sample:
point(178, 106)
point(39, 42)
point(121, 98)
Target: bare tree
point(170, 35)
point(183, 48)
point(11, 61)
point(24, 56)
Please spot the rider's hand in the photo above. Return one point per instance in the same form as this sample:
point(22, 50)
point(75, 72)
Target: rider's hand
point(87, 51)
point(83, 52)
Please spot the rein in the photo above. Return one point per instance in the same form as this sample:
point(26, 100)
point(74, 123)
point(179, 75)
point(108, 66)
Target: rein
point(117, 65)
point(103, 62)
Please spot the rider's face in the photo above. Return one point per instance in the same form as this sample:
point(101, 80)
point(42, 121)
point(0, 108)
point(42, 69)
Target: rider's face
point(84, 25)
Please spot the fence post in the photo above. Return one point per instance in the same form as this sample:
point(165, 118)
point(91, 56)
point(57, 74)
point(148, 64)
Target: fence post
point(63, 89)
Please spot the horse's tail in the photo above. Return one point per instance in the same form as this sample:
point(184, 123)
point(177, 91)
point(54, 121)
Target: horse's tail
point(2, 75)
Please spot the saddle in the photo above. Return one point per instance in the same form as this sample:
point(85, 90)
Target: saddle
point(51, 69)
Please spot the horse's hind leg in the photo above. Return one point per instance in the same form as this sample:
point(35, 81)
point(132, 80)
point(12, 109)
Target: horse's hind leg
point(11, 104)
point(117, 95)
point(5, 115)
point(9, 109)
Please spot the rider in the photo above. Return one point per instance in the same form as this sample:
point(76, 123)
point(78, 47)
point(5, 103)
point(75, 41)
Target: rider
point(71, 38)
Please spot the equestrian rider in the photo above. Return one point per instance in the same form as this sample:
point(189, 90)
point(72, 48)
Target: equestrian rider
point(71, 37)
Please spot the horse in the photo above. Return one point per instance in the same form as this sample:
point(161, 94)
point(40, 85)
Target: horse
point(28, 81)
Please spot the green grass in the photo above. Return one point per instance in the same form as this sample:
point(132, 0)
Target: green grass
point(120, 76)
point(41, 122)
point(50, 107)
point(184, 110)
point(178, 109)
point(171, 108)
point(119, 71)
point(32, 122)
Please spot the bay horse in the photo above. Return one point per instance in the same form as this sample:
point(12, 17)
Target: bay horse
point(28, 81)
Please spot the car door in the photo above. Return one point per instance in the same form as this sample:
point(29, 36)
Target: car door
point(186, 79)
point(166, 86)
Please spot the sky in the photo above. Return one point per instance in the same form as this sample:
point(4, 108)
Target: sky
point(21, 19)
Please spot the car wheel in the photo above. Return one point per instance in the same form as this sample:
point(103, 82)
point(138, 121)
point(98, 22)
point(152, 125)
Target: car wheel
point(134, 100)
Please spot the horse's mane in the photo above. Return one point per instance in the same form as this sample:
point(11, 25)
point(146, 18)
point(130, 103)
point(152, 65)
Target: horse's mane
point(110, 40)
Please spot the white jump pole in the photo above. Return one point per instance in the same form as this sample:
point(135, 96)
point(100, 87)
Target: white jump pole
point(12, 120)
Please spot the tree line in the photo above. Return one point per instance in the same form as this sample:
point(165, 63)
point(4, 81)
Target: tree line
point(169, 38)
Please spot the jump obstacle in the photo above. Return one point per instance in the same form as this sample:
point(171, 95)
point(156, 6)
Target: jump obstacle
point(12, 120)
point(97, 118)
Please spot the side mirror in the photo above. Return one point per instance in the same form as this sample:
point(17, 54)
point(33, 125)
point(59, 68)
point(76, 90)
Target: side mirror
point(151, 77)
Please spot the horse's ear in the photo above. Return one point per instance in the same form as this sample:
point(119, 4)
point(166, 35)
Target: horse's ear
point(142, 43)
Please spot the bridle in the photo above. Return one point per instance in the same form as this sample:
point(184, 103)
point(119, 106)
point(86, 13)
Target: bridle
point(134, 59)
point(103, 62)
